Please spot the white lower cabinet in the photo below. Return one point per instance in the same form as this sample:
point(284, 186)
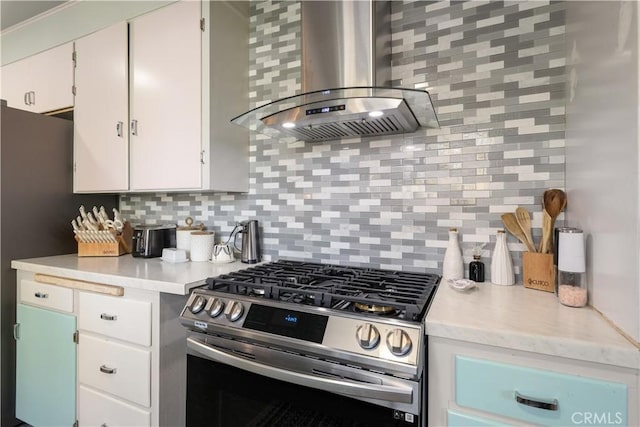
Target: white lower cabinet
point(98, 409)
point(131, 354)
point(119, 369)
point(478, 385)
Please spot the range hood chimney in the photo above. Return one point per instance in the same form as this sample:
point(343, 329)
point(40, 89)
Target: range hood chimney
point(346, 77)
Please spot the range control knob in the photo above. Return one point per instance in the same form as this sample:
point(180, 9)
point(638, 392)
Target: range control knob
point(214, 307)
point(234, 310)
point(198, 304)
point(398, 342)
point(368, 336)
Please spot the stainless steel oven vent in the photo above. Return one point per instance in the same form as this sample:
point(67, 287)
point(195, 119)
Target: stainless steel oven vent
point(346, 80)
point(361, 127)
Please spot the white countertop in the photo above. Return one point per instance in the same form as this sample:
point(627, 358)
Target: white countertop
point(519, 318)
point(151, 274)
point(512, 317)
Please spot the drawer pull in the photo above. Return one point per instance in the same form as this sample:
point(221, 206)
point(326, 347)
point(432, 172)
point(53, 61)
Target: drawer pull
point(547, 405)
point(41, 295)
point(105, 316)
point(106, 370)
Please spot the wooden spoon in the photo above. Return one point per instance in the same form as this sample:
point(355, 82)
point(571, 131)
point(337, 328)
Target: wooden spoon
point(511, 224)
point(553, 203)
point(524, 220)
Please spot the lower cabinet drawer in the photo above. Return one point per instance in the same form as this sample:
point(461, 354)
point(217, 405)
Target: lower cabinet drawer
point(538, 396)
point(116, 368)
point(47, 296)
point(97, 409)
point(459, 419)
point(117, 317)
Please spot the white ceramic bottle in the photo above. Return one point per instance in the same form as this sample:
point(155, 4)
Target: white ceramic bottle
point(501, 264)
point(452, 266)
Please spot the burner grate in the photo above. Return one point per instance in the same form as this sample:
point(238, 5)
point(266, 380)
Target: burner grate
point(403, 295)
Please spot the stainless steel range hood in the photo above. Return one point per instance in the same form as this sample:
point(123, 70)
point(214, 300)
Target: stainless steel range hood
point(346, 77)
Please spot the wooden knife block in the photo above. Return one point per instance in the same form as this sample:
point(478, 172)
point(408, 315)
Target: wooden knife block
point(121, 247)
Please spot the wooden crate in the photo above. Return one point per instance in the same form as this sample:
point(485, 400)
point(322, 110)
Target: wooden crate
point(120, 247)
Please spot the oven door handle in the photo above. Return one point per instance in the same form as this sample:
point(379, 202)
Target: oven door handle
point(348, 388)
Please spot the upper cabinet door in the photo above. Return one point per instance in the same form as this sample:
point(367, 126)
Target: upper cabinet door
point(101, 129)
point(165, 100)
point(40, 83)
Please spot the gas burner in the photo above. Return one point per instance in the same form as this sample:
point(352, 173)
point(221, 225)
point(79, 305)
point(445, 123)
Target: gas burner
point(257, 292)
point(356, 289)
point(298, 298)
point(377, 304)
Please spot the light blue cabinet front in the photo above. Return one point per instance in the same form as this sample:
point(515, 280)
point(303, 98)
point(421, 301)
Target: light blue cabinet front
point(539, 396)
point(459, 419)
point(45, 367)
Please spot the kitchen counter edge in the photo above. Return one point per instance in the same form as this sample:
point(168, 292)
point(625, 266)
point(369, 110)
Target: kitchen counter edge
point(151, 274)
point(518, 318)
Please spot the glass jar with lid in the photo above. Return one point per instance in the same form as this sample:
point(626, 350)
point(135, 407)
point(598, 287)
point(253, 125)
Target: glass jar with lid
point(571, 284)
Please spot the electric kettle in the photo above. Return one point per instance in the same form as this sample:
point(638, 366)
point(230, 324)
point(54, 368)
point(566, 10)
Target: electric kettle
point(250, 248)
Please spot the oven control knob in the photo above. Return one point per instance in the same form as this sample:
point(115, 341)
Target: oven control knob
point(368, 336)
point(214, 307)
point(398, 342)
point(234, 310)
point(198, 304)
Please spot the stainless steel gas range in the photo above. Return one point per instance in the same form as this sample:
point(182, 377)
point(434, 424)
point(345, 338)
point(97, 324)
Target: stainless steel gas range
point(297, 343)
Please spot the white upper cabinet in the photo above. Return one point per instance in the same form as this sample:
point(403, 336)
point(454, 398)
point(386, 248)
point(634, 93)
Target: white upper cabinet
point(101, 115)
point(166, 99)
point(184, 76)
point(40, 83)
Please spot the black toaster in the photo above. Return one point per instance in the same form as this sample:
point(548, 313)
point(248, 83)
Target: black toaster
point(149, 240)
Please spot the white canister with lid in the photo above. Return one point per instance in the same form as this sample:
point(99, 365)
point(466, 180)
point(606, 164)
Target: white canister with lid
point(183, 235)
point(202, 245)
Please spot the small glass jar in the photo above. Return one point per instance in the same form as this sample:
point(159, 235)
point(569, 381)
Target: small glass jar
point(476, 269)
point(571, 284)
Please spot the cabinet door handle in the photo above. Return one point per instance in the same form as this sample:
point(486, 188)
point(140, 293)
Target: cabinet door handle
point(107, 370)
point(134, 127)
point(26, 98)
point(16, 331)
point(105, 316)
point(41, 295)
point(546, 404)
point(119, 128)
point(32, 98)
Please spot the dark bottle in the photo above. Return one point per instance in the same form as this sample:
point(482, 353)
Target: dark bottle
point(476, 269)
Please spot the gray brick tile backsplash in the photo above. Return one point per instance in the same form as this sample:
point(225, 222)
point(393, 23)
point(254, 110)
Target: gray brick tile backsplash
point(496, 74)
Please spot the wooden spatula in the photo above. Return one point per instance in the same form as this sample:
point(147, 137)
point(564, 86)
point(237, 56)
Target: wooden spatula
point(524, 220)
point(511, 224)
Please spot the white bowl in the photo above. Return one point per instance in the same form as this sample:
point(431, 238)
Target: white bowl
point(174, 255)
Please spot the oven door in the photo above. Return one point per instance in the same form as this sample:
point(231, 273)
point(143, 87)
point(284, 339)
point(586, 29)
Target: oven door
point(232, 383)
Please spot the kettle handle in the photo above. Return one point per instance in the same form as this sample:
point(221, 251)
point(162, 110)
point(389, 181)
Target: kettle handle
point(235, 244)
point(237, 230)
